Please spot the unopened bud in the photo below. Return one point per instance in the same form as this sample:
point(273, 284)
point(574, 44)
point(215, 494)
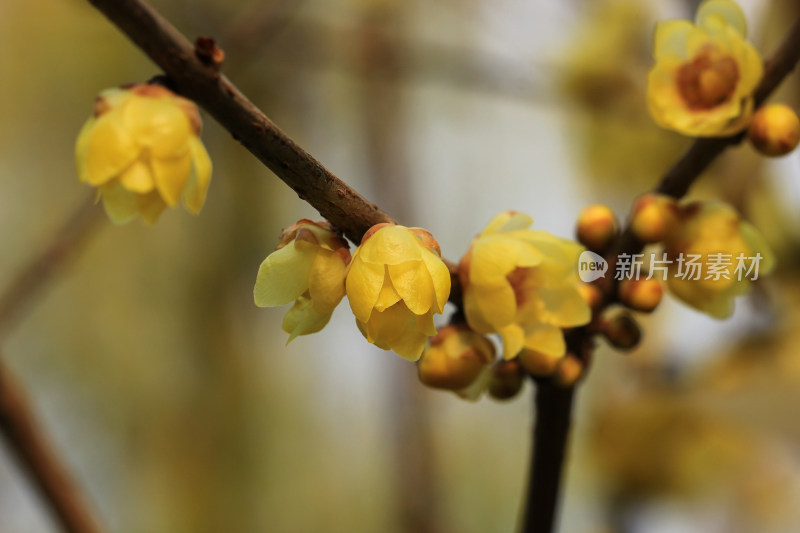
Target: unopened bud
point(640, 294)
point(455, 358)
point(506, 379)
point(591, 294)
point(652, 217)
point(597, 227)
point(622, 331)
point(538, 363)
point(568, 371)
point(774, 130)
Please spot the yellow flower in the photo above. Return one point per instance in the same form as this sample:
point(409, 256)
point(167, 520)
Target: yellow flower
point(395, 284)
point(307, 268)
point(142, 151)
point(522, 284)
point(714, 256)
point(703, 80)
point(456, 359)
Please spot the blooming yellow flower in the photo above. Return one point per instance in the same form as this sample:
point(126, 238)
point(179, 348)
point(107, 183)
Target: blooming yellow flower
point(522, 284)
point(307, 268)
point(714, 256)
point(705, 73)
point(142, 150)
point(395, 283)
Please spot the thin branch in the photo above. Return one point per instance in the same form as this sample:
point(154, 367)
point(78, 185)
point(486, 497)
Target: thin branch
point(63, 245)
point(168, 48)
point(27, 440)
point(553, 407)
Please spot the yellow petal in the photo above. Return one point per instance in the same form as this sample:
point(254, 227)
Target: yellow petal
point(721, 12)
point(283, 276)
point(425, 324)
point(388, 296)
point(119, 203)
point(171, 176)
point(391, 245)
point(150, 206)
point(396, 329)
point(108, 150)
point(326, 281)
point(413, 283)
point(545, 338)
point(440, 276)
point(137, 178)
point(194, 196)
point(513, 340)
point(563, 307)
point(157, 124)
point(757, 244)
point(363, 285)
point(303, 319)
point(670, 39)
point(475, 318)
point(495, 256)
point(507, 221)
point(496, 303)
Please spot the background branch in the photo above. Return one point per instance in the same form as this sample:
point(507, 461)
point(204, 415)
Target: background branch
point(37, 456)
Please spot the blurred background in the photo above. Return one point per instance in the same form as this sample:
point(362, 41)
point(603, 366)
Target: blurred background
point(178, 405)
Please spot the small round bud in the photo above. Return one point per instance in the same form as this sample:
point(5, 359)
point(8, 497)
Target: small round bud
point(652, 217)
point(774, 130)
point(506, 379)
point(568, 371)
point(538, 363)
point(622, 331)
point(640, 294)
point(597, 227)
point(455, 358)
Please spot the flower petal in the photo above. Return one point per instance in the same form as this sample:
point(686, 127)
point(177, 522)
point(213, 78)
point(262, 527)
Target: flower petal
point(137, 178)
point(150, 206)
point(157, 124)
point(326, 281)
point(363, 286)
point(513, 340)
point(303, 319)
point(283, 276)
point(391, 245)
point(194, 195)
point(670, 38)
point(119, 203)
point(171, 176)
point(507, 221)
point(721, 12)
point(108, 150)
point(546, 338)
point(412, 281)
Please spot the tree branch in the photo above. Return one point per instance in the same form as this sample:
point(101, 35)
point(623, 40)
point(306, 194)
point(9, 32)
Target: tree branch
point(28, 441)
point(553, 407)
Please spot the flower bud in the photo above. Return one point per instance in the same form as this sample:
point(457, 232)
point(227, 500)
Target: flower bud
point(774, 130)
point(640, 294)
point(652, 217)
point(455, 358)
point(506, 379)
point(568, 371)
point(592, 294)
point(539, 363)
point(622, 331)
point(597, 227)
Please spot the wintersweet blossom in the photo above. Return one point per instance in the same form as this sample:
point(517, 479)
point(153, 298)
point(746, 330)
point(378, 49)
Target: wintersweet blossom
point(307, 268)
point(714, 257)
point(142, 150)
point(395, 283)
point(705, 73)
point(522, 284)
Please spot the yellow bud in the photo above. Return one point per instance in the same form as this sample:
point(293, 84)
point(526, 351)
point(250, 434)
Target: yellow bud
point(506, 379)
point(455, 358)
point(640, 294)
point(652, 217)
point(568, 371)
point(538, 363)
point(775, 130)
point(597, 227)
point(622, 331)
point(591, 294)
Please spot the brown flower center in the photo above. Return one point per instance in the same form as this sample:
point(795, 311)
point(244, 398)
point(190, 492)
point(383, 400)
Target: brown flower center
point(707, 81)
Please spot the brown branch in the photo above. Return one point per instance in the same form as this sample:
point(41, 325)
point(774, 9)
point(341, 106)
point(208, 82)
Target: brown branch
point(29, 443)
point(333, 198)
point(553, 407)
point(63, 245)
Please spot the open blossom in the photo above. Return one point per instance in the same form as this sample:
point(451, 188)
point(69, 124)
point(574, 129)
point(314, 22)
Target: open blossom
point(705, 73)
point(142, 151)
point(729, 253)
point(522, 284)
point(395, 283)
point(307, 268)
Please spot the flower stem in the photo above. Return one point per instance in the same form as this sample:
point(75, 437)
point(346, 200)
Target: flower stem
point(553, 407)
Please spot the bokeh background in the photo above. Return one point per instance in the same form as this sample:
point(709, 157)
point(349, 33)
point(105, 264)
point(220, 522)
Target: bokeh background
point(176, 401)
